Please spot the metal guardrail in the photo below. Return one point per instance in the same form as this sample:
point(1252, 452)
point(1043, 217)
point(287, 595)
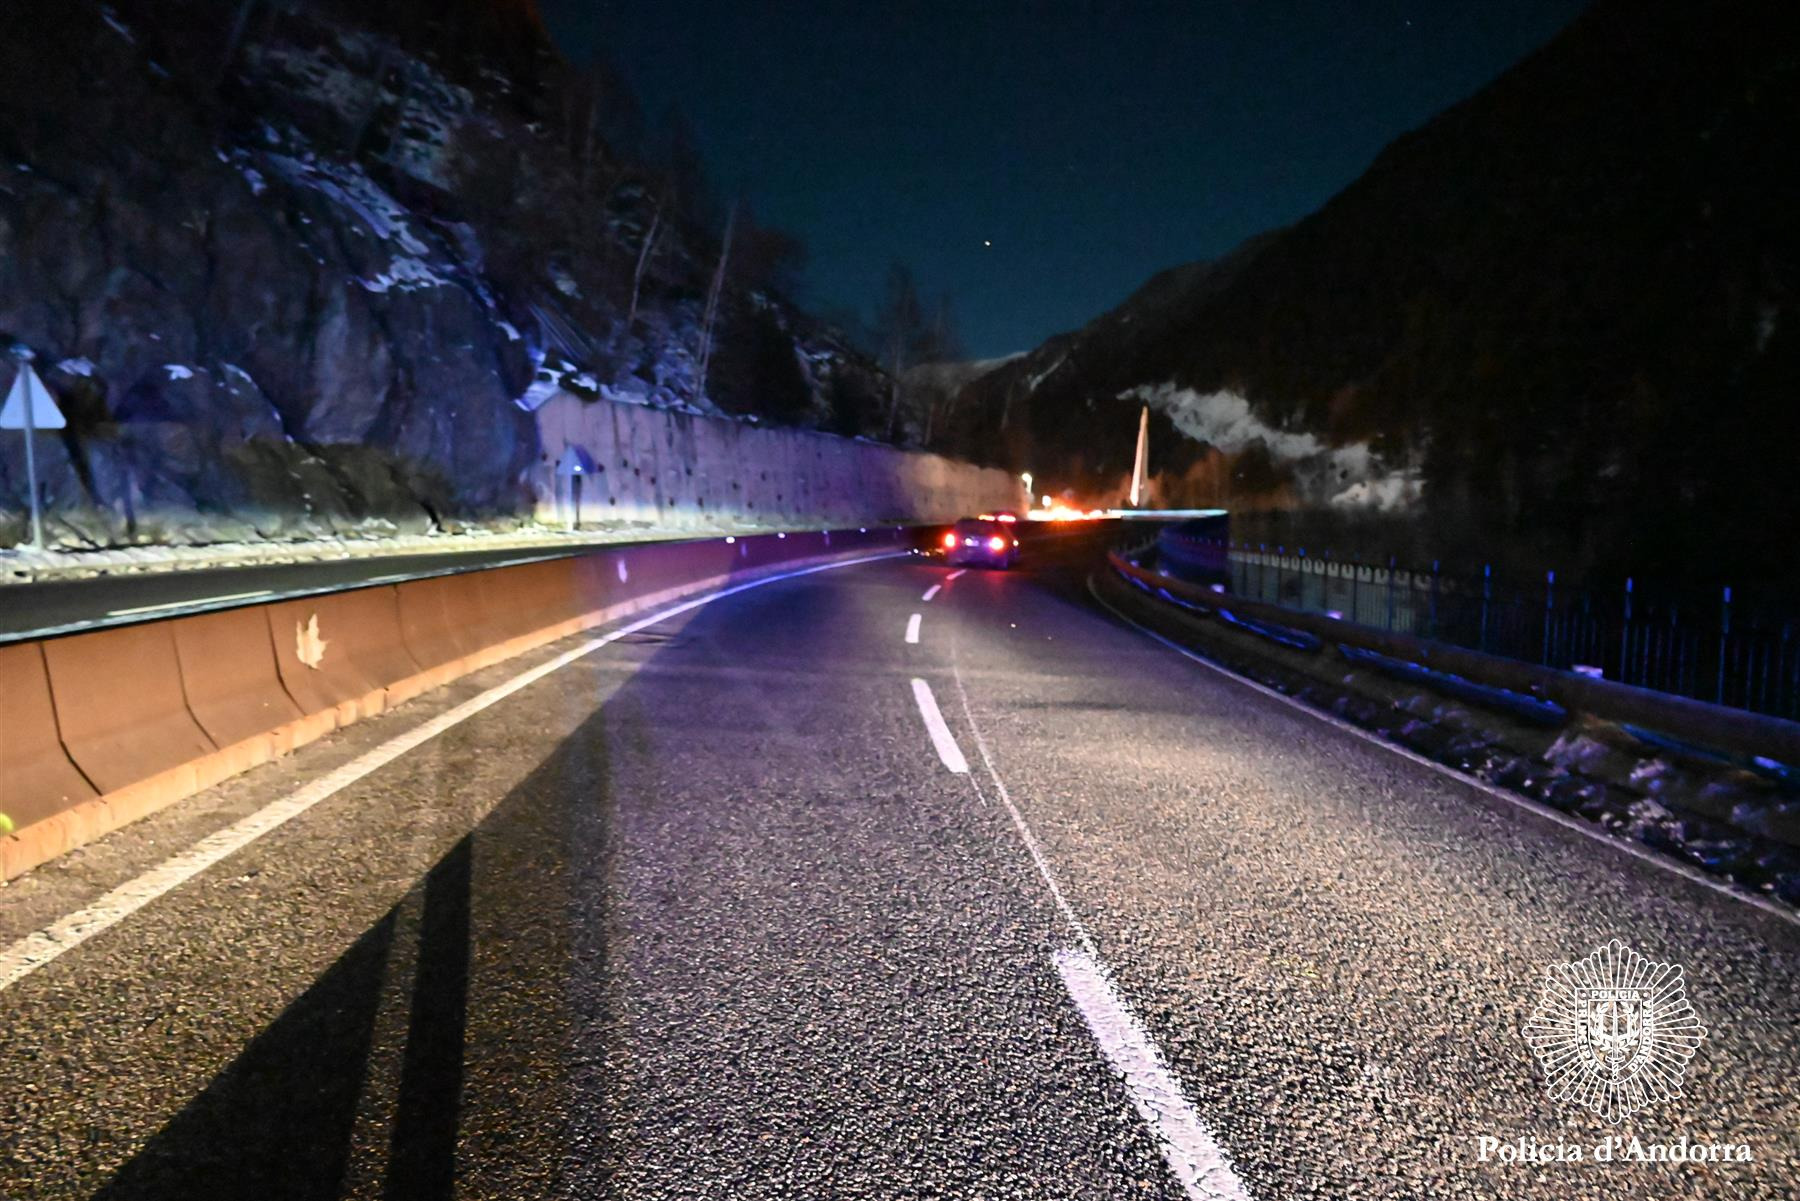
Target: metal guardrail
point(1719, 653)
point(1725, 728)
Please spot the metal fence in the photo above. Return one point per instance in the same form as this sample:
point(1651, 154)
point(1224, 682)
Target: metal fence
point(1714, 652)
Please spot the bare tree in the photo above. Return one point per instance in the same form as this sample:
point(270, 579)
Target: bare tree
point(643, 260)
point(712, 305)
point(942, 345)
point(900, 326)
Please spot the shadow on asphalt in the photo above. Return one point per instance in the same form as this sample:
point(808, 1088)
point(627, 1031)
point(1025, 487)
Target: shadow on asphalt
point(422, 1147)
point(281, 1121)
point(272, 1123)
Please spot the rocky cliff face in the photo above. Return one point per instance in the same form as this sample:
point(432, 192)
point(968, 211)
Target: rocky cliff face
point(307, 275)
point(1560, 313)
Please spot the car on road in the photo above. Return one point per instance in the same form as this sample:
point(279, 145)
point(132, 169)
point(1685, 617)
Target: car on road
point(990, 540)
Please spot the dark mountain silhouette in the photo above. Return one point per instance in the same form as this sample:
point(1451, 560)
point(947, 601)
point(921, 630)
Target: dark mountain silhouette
point(1562, 313)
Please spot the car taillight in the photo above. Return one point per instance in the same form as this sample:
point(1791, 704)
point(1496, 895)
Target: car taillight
point(949, 539)
point(996, 543)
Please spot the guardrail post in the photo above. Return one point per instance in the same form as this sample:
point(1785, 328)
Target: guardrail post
point(1549, 606)
point(1625, 638)
point(1677, 653)
point(1586, 633)
point(1432, 628)
point(1390, 595)
point(1487, 594)
point(1783, 694)
point(1724, 634)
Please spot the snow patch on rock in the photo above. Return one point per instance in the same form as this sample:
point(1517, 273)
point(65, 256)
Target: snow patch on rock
point(1394, 491)
point(404, 274)
point(348, 186)
point(1350, 476)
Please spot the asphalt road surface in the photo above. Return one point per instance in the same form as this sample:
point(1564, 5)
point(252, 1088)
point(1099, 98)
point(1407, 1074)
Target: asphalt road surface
point(708, 911)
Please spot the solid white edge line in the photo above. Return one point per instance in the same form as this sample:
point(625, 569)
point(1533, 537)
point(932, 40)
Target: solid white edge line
point(182, 604)
point(68, 932)
point(1192, 1153)
point(912, 628)
point(941, 738)
point(1585, 829)
point(1019, 823)
point(931, 592)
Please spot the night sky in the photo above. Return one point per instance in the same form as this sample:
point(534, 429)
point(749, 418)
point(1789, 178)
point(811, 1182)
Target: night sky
point(1092, 144)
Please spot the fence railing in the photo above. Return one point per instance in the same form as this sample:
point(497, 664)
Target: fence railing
point(1709, 652)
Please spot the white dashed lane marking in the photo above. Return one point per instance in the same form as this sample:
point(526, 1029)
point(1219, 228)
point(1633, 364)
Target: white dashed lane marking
point(941, 738)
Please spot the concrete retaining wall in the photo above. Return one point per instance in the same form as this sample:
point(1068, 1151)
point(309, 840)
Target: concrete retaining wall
point(101, 728)
point(668, 470)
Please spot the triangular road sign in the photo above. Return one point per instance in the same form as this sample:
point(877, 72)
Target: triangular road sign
point(28, 389)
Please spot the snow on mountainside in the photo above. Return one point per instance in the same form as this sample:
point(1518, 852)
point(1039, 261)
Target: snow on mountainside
point(313, 282)
point(1558, 313)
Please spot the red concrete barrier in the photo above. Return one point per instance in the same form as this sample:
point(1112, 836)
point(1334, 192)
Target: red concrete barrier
point(121, 711)
point(234, 689)
point(654, 569)
point(99, 729)
point(504, 602)
point(339, 652)
point(595, 581)
point(454, 624)
point(547, 593)
point(37, 779)
point(428, 623)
